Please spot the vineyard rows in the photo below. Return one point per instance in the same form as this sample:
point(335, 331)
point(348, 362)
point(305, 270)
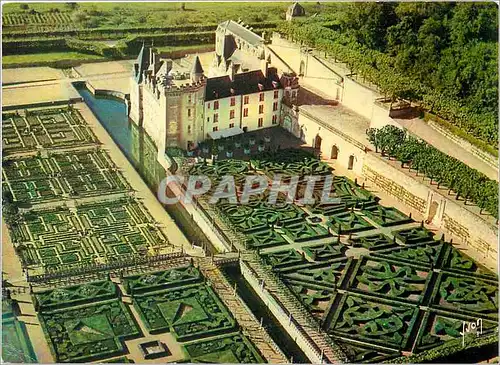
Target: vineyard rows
point(38, 18)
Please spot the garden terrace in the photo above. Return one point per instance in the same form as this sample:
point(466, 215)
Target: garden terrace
point(80, 173)
point(91, 331)
point(378, 283)
point(62, 238)
point(51, 128)
point(289, 162)
point(180, 301)
point(403, 295)
point(75, 295)
point(445, 170)
point(234, 348)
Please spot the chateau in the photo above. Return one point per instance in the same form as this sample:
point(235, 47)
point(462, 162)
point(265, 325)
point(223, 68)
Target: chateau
point(180, 104)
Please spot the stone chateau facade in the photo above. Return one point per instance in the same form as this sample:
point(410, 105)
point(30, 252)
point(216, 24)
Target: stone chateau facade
point(179, 104)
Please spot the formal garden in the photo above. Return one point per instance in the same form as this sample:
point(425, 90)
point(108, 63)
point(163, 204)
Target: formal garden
point(46, 128)
point(51, 227)
point(106, 231)
point(380, 284)
point(374, 305)
point(90, 322)
point(85, 323)
point(179, 301)
point(73, 174)
point(16, 345)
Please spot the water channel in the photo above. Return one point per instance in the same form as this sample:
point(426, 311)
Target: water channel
point(142, 152)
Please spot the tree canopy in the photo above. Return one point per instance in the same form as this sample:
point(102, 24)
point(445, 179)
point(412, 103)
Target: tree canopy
point(443, 55)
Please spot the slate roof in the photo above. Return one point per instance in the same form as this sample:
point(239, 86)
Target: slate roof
point(296, 10)
point(242, 32)
point(143, 62)
point(243, 83)
point(197, 69)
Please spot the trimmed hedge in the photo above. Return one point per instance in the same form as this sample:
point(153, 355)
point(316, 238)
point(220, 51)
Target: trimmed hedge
point(438, 166)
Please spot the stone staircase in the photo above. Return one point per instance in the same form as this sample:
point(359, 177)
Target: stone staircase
point(249, 324)
point(318, 339)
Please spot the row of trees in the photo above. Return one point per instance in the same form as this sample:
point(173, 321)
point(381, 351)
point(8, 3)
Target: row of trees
point(443, 56)
point(415, 154)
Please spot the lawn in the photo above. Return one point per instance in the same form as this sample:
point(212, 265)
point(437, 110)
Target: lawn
point(39, 58)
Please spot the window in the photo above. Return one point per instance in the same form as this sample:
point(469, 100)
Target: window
point(233, 101)
point(246, 100)
point(245, 112)
point(208, 106)
point(276, 94)
point(261, 122)
point(275, 119)
point(208, 119)
point(215, 129)
point(231, 125)
point(275, 106)
point(231, 114)
point(189, 98)
point(294, 94)
point(189, 112)
point(216, 118)
point(216, 104)
point(261, 97)
point(261, 109)
point(189, 129)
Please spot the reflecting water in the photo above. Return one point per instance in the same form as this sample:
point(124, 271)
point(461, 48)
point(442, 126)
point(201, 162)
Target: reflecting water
point(141, 151)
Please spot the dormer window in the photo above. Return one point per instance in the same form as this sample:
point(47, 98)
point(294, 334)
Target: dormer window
point(275, 84)
point(261, 87)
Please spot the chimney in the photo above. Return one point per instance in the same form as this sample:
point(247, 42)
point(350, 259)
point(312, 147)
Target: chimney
point(151, 56)
point(169, 65)
point(263, 67)
point(232, 71)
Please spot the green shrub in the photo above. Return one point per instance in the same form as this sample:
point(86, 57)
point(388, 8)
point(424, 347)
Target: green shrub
point(446, 170)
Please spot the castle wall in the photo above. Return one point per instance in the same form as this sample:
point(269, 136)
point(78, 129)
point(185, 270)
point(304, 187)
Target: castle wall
point(451, 216)
point(329, 138)
point(135, 102)
point(153, 115)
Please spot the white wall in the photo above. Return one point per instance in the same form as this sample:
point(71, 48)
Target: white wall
point(451, 217)
point(346, 149)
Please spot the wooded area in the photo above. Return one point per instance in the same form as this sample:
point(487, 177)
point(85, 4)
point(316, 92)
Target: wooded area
point(442, 55)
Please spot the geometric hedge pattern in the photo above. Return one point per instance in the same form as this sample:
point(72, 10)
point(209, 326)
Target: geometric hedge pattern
point(72, 174)
point(62, 237)
point(379, 290)
point(51, 128)
point(406, 298)
point(181, 302)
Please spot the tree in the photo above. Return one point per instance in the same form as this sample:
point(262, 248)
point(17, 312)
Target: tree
point(72, 5)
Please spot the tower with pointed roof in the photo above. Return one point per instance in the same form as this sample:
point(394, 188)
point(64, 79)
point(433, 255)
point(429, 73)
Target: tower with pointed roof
point(179, 105)
point(295, 10)
point(197, 70)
